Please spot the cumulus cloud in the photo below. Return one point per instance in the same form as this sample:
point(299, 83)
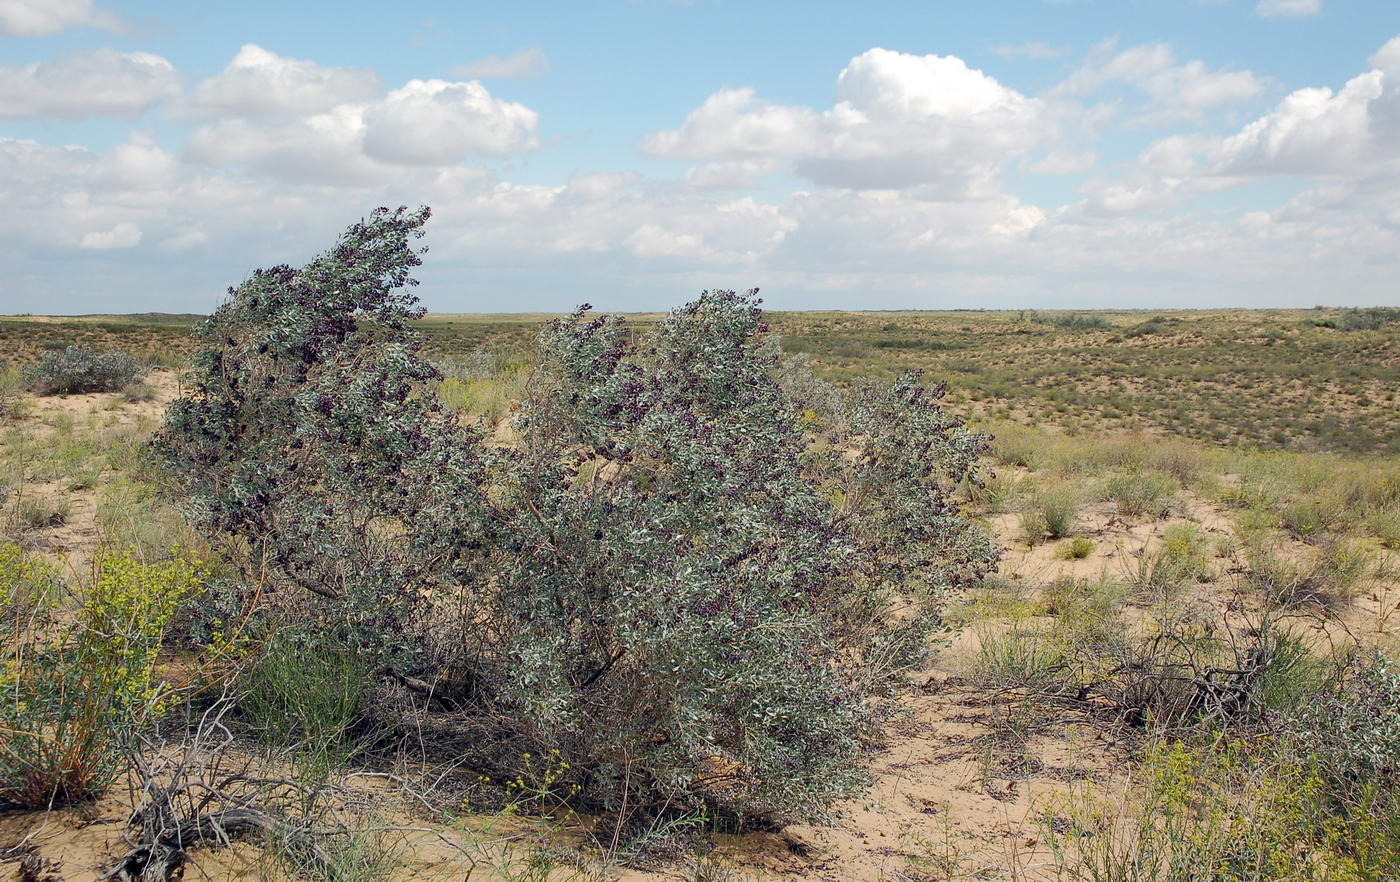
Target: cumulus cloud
point(1312, 132)
point(298, 121)
point(532, 62)
point(1175, 91)
point(324, 148)
point(103, 82)
point(899, 121)
point(434, 122)
point(1288, 8)
point(39, 18)
point(258, 82)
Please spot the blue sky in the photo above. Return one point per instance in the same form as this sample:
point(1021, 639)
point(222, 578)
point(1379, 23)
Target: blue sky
point(1086, 153)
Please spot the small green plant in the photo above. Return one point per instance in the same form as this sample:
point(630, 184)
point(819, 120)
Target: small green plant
point(1077, 548)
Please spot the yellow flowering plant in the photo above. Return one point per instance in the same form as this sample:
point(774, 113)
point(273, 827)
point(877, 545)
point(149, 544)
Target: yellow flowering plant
point(80, 671)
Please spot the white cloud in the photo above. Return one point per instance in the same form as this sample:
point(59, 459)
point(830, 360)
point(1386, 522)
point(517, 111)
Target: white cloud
point(1388, 56)
point(39, 18)
point(123, 235)
point(102, 82)
point(1288, 8)
point(1174, 91)
point(324, 148)
point(1311, 132)
point(297, 121)
point(532, 62)
point(138, 165)
point(434, 122)
point(737, 174)
point(899, 121)
point(258, 82)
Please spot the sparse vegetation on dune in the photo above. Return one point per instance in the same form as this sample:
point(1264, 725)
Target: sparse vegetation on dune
point(401, 596)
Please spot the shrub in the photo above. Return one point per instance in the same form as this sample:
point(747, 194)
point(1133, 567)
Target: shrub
point(76, 369)
point(310, 447)
point(75, 686)
point(1373, 318)
point(664, 576)
point(1183, 558)
point(134, 393)
point(1073, 321)
point(730, 597)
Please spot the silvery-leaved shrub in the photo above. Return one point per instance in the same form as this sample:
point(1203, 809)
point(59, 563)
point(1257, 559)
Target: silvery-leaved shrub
point(666, 577)
point(77, 369)
point(699, 600)
point(308, 448)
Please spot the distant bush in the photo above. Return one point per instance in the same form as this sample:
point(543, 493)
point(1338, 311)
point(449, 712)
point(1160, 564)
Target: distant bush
point(1372, 318)
point(1073, 321)
point(1050, 512)
point(77, 369)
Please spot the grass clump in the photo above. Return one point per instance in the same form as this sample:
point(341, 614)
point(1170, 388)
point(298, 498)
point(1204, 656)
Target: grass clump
point(1050, 512)
point(1141, 494)
point(306, 689)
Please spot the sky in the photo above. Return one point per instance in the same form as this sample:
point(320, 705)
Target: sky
point(630, 153)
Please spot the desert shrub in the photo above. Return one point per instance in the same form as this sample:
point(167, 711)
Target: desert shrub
point(1141, 494)
point(822, 402)
point(1018, 446)
point(76, 685)
point(134, 393)
point(667, 575)
point(76, 369)
point(1385, 524)
point(12, 383)
point(310, 447)
point(1355, 731)
point(1326, 576)
point(36, 512)
point(1372, 318)
point(1073, 321)
point(731, 595)
point(1241, 809)
point(1309, 517)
